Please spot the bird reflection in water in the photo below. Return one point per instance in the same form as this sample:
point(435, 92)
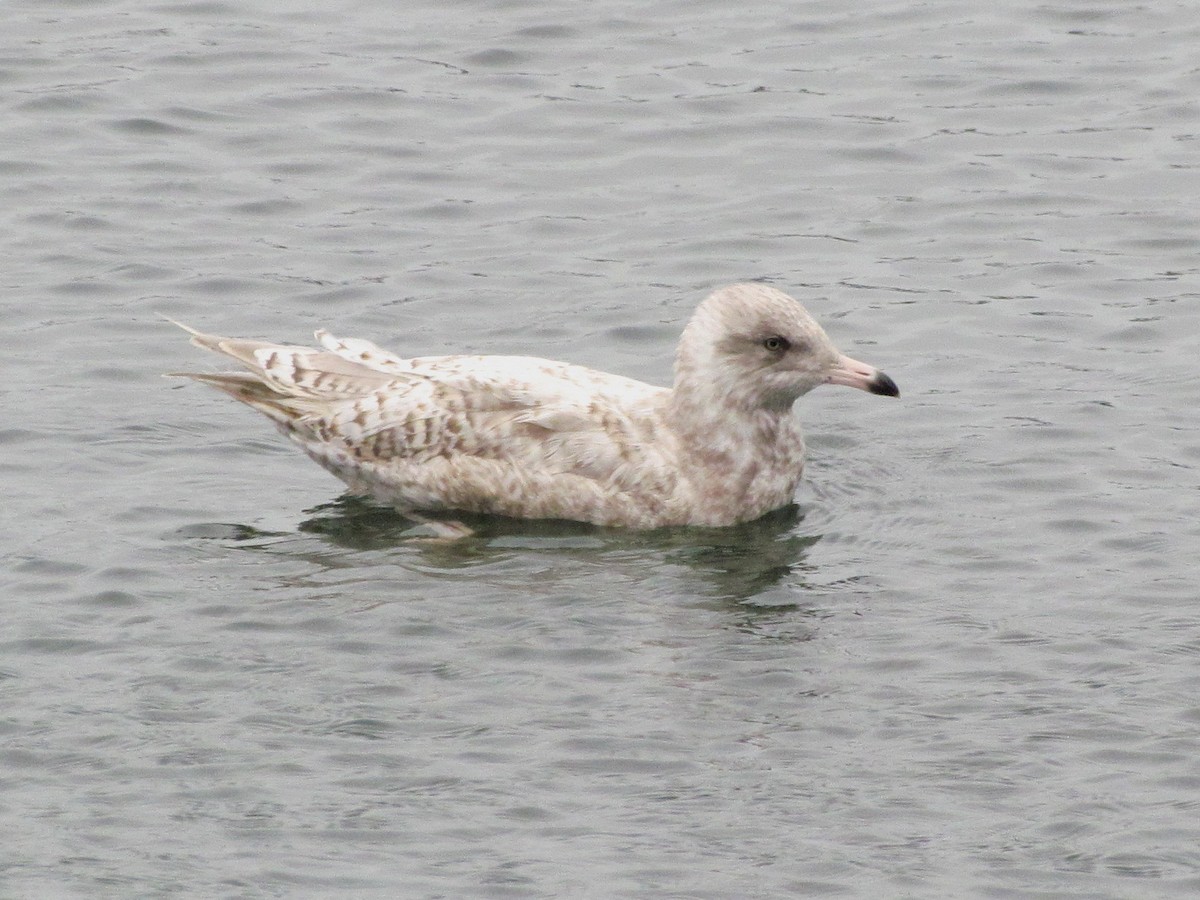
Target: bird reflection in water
point(760, 563)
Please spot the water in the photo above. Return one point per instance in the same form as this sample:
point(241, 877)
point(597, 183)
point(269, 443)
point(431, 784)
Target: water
point(965, 666)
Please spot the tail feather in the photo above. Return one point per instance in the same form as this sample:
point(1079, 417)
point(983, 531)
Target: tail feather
point(239, 350)
point(255, 393)
point(364, 353)
point(244, 351)
point(285, 376)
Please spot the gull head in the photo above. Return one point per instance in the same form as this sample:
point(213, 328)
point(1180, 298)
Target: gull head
point(753, 347)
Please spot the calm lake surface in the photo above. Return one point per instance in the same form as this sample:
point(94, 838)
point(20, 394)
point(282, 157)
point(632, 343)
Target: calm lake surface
point(966, 665)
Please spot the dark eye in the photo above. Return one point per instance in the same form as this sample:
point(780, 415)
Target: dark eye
point(776, 344)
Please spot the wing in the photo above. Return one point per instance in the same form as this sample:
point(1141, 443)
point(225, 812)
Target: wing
point(524, 438)
point(542, 416)
point(515, 435)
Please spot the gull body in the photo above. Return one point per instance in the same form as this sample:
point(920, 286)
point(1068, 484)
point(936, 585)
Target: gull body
point(534, 438)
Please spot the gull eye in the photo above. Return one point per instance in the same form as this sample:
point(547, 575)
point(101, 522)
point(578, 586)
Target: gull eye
point(776, 344)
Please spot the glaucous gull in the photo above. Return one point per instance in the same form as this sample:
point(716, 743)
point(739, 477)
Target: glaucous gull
point(532, 438)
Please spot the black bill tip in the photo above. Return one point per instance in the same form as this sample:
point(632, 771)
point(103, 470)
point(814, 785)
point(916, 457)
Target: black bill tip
point(883, 385)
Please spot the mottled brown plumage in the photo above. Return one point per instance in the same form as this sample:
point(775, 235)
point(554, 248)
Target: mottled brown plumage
point(533, 438)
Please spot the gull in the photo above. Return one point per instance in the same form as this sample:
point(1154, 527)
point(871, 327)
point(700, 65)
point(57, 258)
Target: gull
point(533, 438)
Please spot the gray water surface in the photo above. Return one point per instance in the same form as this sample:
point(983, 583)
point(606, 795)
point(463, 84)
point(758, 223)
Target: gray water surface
point(968, 662)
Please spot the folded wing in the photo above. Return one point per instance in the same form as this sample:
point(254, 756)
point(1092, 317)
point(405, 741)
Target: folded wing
point(466, 432)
